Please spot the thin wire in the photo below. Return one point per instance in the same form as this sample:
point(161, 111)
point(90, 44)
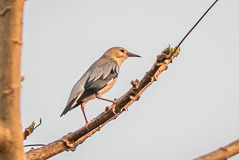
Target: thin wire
point(195, 25)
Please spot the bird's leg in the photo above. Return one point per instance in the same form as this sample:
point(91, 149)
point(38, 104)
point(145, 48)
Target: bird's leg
point(83, 110)
point(99, 97)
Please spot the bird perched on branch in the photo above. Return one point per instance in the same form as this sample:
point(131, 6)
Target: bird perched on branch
point(98, 79)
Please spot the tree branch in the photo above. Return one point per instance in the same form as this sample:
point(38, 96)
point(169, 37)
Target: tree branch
point(72, 140)
point(222, 153)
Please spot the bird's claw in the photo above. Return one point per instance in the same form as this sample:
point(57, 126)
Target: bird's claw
point(86, 126)
point(113, 110)
point(115, 101)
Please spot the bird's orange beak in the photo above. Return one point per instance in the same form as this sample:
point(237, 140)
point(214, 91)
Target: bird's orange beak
point(133, 55)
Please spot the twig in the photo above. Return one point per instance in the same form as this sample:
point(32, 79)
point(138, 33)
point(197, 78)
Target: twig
point(38, 124)
point(33, 145)
point(29, 130)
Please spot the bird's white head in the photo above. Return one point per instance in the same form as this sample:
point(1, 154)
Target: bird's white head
point(118, 54)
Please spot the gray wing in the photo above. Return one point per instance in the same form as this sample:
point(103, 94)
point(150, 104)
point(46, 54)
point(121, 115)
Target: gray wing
point(91, 82)
point(99, 78)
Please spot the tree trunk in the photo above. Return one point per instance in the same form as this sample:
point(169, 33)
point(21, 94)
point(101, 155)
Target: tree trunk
point(11, 138)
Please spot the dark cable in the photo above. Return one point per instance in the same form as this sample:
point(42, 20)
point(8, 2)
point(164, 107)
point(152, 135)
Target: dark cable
point(194, 26)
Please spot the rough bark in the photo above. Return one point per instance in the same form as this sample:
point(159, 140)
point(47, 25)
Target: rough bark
point(11, 147)
point(72, 140)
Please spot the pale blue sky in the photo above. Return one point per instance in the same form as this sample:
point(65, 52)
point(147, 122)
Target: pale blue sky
point(191, 110)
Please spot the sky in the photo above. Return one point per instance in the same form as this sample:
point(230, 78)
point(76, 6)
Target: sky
point(191, 110)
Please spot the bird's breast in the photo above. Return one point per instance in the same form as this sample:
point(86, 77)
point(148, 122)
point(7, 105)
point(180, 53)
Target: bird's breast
point(107, 87)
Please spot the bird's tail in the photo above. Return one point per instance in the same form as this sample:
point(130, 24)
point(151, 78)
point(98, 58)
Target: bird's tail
point(68, 107)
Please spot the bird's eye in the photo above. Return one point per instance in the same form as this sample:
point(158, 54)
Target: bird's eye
point(122, 50)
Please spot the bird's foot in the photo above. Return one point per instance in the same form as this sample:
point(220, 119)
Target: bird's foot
point(86, 126)
point(113, 110)
point(115, 101)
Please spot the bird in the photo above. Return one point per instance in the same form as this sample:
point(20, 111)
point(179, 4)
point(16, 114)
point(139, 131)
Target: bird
point(98, 79)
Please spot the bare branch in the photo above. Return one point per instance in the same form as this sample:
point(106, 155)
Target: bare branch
point(222, 153)
point(72, 140)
